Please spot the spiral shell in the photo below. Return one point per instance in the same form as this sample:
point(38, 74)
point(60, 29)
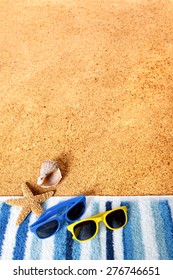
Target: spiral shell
point(50, 174)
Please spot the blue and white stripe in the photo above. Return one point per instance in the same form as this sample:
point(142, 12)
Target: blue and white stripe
point(147, 235)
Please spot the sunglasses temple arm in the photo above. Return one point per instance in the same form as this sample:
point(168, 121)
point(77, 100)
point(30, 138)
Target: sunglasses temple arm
point(53, 210)
point(101, 214)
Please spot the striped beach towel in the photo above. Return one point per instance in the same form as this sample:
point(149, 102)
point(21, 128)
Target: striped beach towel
point(147, 235)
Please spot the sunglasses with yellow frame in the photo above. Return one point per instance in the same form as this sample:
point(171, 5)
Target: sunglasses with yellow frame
point(87, 229)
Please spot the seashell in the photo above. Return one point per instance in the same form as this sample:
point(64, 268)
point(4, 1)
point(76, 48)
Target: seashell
point(50, 174)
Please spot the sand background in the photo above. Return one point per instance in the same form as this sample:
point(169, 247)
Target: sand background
point(87, 83)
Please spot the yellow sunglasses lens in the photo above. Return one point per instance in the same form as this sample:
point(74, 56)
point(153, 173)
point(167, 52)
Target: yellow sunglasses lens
point(116, 219)
point(85, 230)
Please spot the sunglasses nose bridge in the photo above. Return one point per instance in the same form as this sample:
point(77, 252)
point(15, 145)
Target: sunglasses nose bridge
point(99, 219)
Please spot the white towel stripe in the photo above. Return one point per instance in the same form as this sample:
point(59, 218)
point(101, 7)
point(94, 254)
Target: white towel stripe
point(148, 231)
point(102, 232)
point(86, 246)
point(117, 237)
point(171, 207)
point(27, 255)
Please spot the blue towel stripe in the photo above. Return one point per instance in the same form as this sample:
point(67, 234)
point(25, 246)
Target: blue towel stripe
point(127, 235)
point(109, 237)
point(168, 226)
point(4, 218)
point(138, 246)
point(36, 248)
point(76, 249)
point(159, 225)
point(69, 246)
point(21, 237)
point(60, 243)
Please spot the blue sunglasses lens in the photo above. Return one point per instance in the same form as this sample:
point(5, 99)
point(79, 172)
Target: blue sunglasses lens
point(47, 229)
point(76, 212)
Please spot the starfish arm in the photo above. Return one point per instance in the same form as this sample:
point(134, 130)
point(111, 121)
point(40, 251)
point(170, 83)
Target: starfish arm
point(37, 209)
point(16, 202)
point(23, 214)
point(29, 202)
point(26, 191)
point(42, 197)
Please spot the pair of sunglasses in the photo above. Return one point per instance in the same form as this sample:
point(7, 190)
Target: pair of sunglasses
point(50, 221)
point(87, 229)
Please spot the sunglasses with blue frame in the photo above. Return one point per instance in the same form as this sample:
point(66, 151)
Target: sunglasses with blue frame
point(50, 220)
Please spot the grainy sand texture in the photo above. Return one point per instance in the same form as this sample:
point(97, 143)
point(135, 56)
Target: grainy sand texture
point(90, 84)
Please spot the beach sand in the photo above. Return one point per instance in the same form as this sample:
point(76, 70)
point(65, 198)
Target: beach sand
point(89, 84)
